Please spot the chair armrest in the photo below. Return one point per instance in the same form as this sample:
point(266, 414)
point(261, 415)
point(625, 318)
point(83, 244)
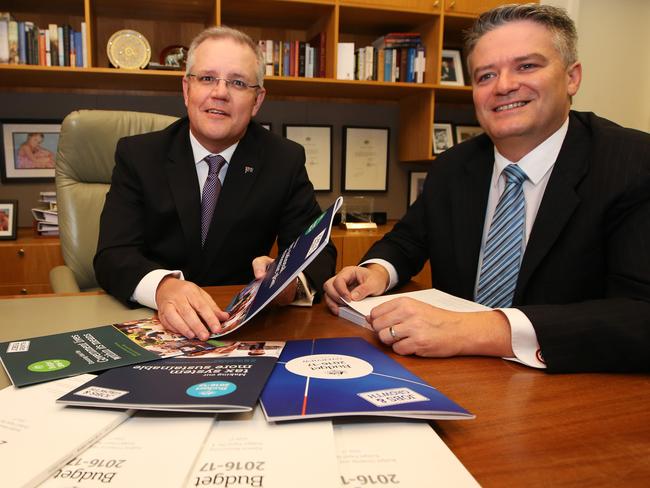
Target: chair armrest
point(62, 280)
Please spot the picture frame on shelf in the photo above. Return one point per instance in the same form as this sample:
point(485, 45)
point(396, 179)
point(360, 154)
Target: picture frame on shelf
point(317, 141)
point(451, 68)
point(465, 132)
point(8, 219)
point(28, 150)
point(416, 184)
point(365, 158)
point(443, 137)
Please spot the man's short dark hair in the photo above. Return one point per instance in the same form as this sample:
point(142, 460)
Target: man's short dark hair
point(555, 19)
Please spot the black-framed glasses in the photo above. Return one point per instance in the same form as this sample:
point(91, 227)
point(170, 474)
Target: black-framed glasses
point(213, 81)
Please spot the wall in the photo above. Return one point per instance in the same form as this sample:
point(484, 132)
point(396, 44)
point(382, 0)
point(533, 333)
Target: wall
point(614, 47)
point(55, 106)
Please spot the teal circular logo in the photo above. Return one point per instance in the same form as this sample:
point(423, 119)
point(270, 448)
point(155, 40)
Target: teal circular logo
point(211, 389)
point(48, 365)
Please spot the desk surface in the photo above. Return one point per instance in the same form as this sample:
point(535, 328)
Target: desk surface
point(531, 429)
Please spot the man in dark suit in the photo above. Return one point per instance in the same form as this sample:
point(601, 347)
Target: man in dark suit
point(545, 219)
point(202, 201)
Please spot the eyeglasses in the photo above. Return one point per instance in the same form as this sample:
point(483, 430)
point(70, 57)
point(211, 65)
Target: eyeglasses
point(213, 81)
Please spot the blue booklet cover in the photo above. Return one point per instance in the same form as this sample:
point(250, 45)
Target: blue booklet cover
point(228, 378)
point(348, 376)
point(258, 293)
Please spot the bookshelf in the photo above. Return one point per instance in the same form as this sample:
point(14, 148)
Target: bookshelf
point(176, 22)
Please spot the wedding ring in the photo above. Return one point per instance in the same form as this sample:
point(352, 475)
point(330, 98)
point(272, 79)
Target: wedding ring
point(392, 333)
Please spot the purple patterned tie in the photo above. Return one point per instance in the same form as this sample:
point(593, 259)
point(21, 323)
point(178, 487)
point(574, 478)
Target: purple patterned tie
point(211, 191)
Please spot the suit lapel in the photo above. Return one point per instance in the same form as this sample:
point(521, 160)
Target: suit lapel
point(468, 213)
point(559, 202)
point(243, 170)
point(184, 184)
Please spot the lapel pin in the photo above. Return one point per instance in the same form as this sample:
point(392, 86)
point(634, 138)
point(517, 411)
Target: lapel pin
point(248, 169)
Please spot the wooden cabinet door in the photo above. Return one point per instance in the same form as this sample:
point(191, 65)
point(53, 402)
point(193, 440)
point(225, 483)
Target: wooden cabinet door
point(472, 7)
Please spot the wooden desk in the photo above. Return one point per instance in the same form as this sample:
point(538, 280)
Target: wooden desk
point(532, 429)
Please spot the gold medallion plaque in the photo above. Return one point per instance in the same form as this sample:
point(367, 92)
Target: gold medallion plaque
point(128, 49)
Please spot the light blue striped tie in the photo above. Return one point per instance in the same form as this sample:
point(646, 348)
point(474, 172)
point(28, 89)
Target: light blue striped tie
point(504, 246)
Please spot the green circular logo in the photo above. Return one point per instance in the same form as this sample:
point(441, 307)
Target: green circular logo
point(48, 365)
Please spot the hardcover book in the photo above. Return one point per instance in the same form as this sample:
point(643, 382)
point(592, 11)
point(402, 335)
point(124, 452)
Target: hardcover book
point(228, 378)
point(258, 293)
point(349, 377)
point(45, 358)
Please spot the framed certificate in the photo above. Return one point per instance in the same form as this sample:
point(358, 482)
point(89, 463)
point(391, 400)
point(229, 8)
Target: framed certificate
point(365, 158)
point(317, 141)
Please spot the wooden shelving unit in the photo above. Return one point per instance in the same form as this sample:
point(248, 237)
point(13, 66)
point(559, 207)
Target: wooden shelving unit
point(176, 22)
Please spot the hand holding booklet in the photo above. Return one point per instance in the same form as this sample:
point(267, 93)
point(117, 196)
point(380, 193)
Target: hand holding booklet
point(258, 293)
point(358, 311)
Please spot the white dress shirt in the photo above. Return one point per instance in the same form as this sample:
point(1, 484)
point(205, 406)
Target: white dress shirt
point(538, 165)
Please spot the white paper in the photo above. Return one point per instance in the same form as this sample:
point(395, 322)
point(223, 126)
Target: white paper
point(37, 435)
point(396, 454)
point(249, 452)
point(431, 296)
point(366, 159)
point(317, 142)
point(149, 449)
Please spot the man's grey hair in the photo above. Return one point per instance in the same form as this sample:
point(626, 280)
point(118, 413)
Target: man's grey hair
point(223, 32)
point(555, 19)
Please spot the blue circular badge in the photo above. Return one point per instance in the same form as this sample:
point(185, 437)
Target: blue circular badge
point(211, 389)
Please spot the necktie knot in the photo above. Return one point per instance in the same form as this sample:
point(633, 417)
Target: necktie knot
point(215, 163)
point(514, 175)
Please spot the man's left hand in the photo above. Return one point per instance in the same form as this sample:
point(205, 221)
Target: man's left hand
point(424, 330)
point(288, 294)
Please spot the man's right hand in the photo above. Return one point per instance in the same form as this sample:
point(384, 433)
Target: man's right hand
point(355, 283)
point(184, 308)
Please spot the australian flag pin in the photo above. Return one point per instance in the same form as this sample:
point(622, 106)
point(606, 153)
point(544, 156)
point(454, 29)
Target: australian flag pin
point(248, 169)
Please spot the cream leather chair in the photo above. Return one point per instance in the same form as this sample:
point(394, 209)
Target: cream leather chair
point(84, 164)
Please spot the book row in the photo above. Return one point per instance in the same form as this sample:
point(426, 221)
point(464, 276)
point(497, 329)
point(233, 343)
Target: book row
point(23, 42)
point(294, 58)
point(394, 57)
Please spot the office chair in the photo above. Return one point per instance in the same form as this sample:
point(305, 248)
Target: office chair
point(84, 165)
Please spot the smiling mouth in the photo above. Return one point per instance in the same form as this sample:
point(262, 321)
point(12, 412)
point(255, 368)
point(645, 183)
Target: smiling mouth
point(510, 106)
point(214, 111)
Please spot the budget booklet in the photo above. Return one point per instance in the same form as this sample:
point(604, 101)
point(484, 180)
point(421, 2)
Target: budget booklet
point(258, 293)
point(228, 378)
point(348, 376)
point(44, 358)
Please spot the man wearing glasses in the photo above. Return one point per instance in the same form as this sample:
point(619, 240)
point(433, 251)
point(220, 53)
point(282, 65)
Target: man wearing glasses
point(194, 204)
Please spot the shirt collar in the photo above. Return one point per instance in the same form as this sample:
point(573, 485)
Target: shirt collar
point(540, 160)
point(200, 152)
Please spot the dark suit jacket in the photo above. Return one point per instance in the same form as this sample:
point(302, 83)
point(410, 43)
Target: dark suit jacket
point(585, 276)
point(152, 215)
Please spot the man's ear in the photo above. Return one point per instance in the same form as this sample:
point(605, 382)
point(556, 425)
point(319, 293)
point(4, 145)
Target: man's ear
point(261, 93)
point(574, 77)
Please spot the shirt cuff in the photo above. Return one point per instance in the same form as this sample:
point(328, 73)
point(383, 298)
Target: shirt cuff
point(524, 339)
point(392, 272)
point(145, 292)
point(304, 293)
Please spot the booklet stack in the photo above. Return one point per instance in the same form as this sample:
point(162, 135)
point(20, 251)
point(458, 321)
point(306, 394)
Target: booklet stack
point(46, 218)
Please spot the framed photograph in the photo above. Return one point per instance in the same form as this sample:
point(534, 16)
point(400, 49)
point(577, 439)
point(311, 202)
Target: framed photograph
point(317, 141)
point(464, 132)
point(451, 68)
point(442, 137)
point(365, 158)
point(8, 219)
point(28, 150)
point(416, 183)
